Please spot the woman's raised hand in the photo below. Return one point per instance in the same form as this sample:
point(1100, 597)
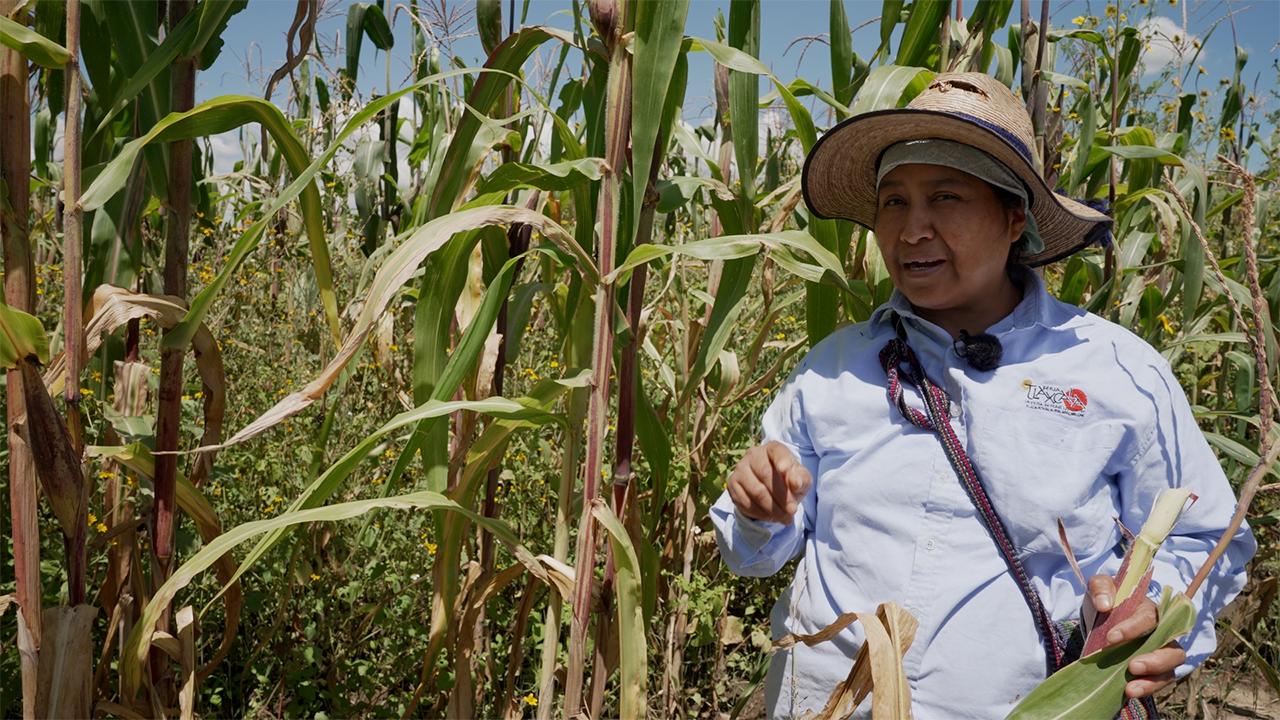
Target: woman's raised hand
point(768, 483)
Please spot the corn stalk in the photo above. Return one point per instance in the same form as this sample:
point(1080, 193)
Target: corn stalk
point(20, 294)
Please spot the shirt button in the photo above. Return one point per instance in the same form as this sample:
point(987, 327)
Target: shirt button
point(930, 544)
point(955, 410)
point(942, 477)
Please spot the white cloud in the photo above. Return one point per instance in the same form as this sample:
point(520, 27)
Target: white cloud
point(226, 151)
point(1163, 41)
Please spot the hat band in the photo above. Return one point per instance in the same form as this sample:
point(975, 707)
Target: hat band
point(1008, 136)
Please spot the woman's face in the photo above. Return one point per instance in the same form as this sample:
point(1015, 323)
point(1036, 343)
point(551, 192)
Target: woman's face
point(945, 238)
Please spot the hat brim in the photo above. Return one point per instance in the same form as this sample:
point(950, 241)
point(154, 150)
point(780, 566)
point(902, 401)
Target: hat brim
point(839, 180)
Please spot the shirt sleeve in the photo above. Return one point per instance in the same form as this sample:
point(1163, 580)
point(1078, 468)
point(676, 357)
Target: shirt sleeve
point(760, 548)
point(1176, 454)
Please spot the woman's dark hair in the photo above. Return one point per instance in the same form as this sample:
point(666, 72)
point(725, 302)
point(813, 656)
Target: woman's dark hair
point(1011, 203)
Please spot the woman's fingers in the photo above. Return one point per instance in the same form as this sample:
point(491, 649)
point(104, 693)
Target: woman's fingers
point(1102, 591)
point(1139, 624)
point(795, 479)
point(1159, 662)
point(768, 483)
point(1149, 685)
point(1154, 670)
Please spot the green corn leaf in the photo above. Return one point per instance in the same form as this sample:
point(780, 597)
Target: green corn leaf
point(890, 16)
point(1084, 148)
point(842, 56)
point(134, 38)
point(210, 118)
point(731, 294)
point(489, 23)
point(744, 106)
point(988, 16)
point(558, 177)
point(32, 45)
point(632, 639)
point(1061, 79)
point(135, 657)
point(21, 336)
point(457, 169)
point(189, 38)
point(365, 18)
point(1004, 64)
point(920, 36)
point(1093, 687)
point(730, 247)
point(891, 86)
point(659, 36)
point(214, 15)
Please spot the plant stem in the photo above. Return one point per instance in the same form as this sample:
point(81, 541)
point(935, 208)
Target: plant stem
point(617, 132)
point(19, 293)
point(169, 408)
point(1267, 451)
point(73, 305)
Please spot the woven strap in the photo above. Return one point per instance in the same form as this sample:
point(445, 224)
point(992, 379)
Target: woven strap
point(1063, 641)
point(901, 364)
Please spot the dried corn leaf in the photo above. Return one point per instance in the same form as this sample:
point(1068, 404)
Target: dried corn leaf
point(57, 463)
point(187, 639)
point(878, 665)
point(66, 662)
point(393, 274)
point(823, 635)
point(137, 457)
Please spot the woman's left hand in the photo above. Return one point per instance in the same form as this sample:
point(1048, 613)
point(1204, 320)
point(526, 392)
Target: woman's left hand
point(1154, 670)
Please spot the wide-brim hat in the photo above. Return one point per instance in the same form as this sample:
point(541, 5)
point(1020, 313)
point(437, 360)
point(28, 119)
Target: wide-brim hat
point(971, 108)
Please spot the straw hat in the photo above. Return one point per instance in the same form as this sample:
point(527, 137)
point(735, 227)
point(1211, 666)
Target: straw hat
point(971, 108)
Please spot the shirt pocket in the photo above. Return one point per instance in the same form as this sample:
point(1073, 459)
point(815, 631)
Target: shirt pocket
point(1038, 470)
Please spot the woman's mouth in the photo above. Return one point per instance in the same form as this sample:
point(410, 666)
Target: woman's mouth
point(922, 264)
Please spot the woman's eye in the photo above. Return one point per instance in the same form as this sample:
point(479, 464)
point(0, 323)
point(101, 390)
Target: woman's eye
point(944, 196)
point(891, 201)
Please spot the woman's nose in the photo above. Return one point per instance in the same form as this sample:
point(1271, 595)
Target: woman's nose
point(918, 225)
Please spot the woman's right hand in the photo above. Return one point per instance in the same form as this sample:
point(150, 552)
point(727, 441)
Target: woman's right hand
point(768, 483)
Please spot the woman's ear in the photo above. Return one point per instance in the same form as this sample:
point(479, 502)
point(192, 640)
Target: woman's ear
point(1017, 223)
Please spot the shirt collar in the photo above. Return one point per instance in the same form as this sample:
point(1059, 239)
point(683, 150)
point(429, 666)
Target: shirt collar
point(1031, 311)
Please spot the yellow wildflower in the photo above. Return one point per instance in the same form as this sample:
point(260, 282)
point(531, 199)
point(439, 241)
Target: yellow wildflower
point(531, 700)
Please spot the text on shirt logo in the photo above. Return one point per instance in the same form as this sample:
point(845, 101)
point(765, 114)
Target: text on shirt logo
point(1064, 401)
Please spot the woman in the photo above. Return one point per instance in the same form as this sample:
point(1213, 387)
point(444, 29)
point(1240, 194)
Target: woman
point(971, 364)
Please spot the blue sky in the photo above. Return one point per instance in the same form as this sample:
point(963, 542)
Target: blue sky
point(258, 33)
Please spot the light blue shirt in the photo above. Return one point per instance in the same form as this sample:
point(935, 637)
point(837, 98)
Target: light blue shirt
point(1082, 421)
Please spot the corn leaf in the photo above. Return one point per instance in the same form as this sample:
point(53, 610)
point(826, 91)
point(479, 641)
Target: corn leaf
point(21, 336)
point(920, 36)
point(633, 641)
point(134, 660)
point(210, 118)
point(32, 45)
point(365, 18)
point(659, 36)
point(891, 86)
point(457, 172)
point(558, 176)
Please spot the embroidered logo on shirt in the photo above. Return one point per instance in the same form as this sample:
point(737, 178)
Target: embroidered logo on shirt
point(1064, 401)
